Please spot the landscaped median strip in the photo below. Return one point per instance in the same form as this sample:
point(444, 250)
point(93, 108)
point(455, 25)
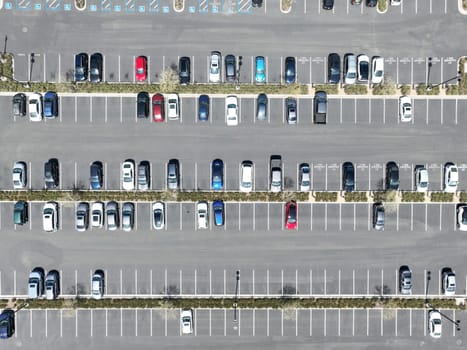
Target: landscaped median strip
point(241, 303)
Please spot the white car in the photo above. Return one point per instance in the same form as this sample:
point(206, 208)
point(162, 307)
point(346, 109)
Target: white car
point(305, 179)
point(377, 70)
point(35, 107)
point(449, 283)
point(186, 320)
point(363, 67)
point(98, 285)
point(128, 175)
point(215, 67)
point(421, 179)
point(405, 109)
point(451, 178)
point(19, 175)
point(395, 2)
point(246, 176)
point(158, 216)
point(202, 215)
point(434, 324)
point(50, 217)
point(172, 107)
point(231, 110)
point(97, 215)
point(462, 217)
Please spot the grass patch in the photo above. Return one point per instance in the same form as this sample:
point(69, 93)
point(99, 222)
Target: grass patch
point(441, 197)
point(382, 5)
point(384, 196)
point(387, 87)
point(356, 89)
point(405, 89)
point(422, 90)
point(463, 196)
point(356, 197)
point(6, 65)
point(330, 89)
point(413, 197)
point(286, 5)
point(325, 196)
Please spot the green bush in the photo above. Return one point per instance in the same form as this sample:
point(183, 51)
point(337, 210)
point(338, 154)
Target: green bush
point(356, 197)
point(330, 89)
point(286, 5)
point(405, 89)
point(325, 196)
point(384, 196)
point(422, 90)
point(387, 87)
point(441, 197)
point(413, 197)
point(356, 89)
point(382, 5)
point(463, 196)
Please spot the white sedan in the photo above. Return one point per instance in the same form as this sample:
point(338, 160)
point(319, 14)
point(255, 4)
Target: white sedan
point(128, 175)
point(215, 67)
point(405, 109)
point(434, 324)
point(202, 214)
point(158, 216)
point(231, 110)
point(451, 178)
point(186, 320)
point(172, 107)
point(19, 175)
point(462, 217)
point(377, 71)
point(97, 214)
point(50, 217)
point(35, 107)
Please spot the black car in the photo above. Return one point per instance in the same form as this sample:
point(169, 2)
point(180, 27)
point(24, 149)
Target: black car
point(95, 73)
point(262, 107)
point(371, 3)
point(203, 108)
point(142, 105)
point(184, 70)
point(328, 4)
point(290, 70)
point(81, 66)
point(7, 323)
point(321, 107)
point(334, 68)
point(96, 176)
point(378, 216)
point(19, 105)
point(20, 213)
point(51, 174)
point(230, 68)
point(291, 108)
point(257, 3)
point(348, 177)
point(392, 176)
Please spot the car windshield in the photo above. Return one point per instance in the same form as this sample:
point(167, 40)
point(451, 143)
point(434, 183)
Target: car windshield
point(292, 214)
point(351, 75)
point(186, 319)
point(379, 73)
point(364, 68)
point(80, 70)
point(437, 321)
point(158, 216)
point(140, 70)
point(464, 217)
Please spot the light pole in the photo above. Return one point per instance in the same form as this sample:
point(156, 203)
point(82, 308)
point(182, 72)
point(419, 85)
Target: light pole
point(4, 46)
point(429, 87)
point(428, 279)
point(429, 71)
point(236, 295)
point(32, 60)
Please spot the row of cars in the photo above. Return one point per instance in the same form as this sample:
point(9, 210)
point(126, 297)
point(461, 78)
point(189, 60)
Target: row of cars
point(329, 4)
point(36, 105)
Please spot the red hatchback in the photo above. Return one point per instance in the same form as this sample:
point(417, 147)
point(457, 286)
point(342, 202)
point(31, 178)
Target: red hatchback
point(291, 211)
point(141, 68)
point(158, 108)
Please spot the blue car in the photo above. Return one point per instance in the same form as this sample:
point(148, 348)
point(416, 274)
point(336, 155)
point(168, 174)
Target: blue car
point(81, 66)
point(218, 209)
point(203, 108)
point(260, 75)
point(50, 104)
point(7, 323)
point(96, 176)
point(217, 174)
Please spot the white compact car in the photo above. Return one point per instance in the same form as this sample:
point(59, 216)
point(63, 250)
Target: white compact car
point(449, 283)
point(462, 217)
point(19, 175)
point(405, 109)
point(128, 175)
point(158, 216)
point(172, 107)
point(231, 110)
point(451, 178)
point(186, 320)
point(434, 324)
point(202, 215)
point(215, 67)
point(35, 107)
point(50, 217)
point(421, 179)
point(246, 176)
point(97, 215)
point(377, 71)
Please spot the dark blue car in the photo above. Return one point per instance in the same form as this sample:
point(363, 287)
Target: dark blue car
point(218, 209)
point(348, 177)
point(290, 70)
point(217, 174)
point(7, 323)
point(203, 108)
point(96, 176)
point(50, 104)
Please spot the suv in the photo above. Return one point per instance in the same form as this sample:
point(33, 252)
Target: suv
point(51, 174)
point(348, 177)
point(36, 283)
point(405, 280)
point(392, 176)
point(350, 69)
point(184, 70)
point(321, 107)
point(7, 323)
point(81, 67)
point(334, 68)
point(217, 174)
point(230, 68)
point(95, 72)
point(142, 105)
point(276, 173)
point(52, 285)
point(97, 284)
point(378, 217)
point(202, 211)
point(82, 215)
point(262, 107)
point(20, 213)
point(19, 105)
point(143, 175)
point(289, 70)
point(449, 282)
point(173, 175)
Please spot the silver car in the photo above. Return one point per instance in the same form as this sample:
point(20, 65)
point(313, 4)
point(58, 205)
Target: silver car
point(405, 280)
point(98, 285)
point(305, 177)
point(82, 215)
point(52, 285)
point(111, 211)
point(128, 214)
point(19, 175)
point(215, 67)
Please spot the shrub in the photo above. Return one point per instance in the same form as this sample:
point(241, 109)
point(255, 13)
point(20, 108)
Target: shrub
point(384, 196)
point(356, 89)
point(413, 197)
point(405, 89)
point(463, 196)
point(330, 89)
point(422, 90)
point(441, 197)
point(286, 5)
point(325, 196)
point(387, 87)
point(356, 197)
point(382, 5)
point(6, 65)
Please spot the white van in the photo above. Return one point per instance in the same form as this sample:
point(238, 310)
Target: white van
point(246, 176)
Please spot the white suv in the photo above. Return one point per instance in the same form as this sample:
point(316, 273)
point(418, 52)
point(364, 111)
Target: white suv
point(202, 215)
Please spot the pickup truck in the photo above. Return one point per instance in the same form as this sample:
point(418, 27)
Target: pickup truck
point(276, 173)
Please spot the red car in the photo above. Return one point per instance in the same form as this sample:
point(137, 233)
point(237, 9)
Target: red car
point(141, 68)
point(291, 210)
point(158, 108)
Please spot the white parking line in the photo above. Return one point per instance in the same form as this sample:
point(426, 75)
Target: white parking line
point(339, 322)
point(381, 321)
point(46, 324)
point(441, 217)
point(14, 282)
point(426, 216)
point(395, 323)
point(311, 282)
point(165, 280)
point(136, 282)
point(325, 216)
point(410, 322)
point(76, 109)
point(442, 107)
point(311, 322)
point(340, 216)
point(324, 322)
point(91, 322)
point(353, 281)
point(411, 216)
point(427, 103)
point(311, 216)
point(339, 284)
point(45, 75)
point(254, 216)
point(165, 323)
point(268, 216)
point(90, 108)
point(368, 282)
point(59, 69)
point(181, 281)
point(397, 217)
point(121, 281)
point(121, 110)
point(325, 284)
point(267, 282)
point(195, 282)
point(369, 111)
point(340, 115)
point(76, 323)
point(76, 175)
point(411, 71)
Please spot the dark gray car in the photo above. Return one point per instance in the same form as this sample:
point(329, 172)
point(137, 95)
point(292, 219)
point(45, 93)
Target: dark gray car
point(321, 107)
point(51, 174)
point(173, 175)
point(144, 175)
point(19, 105)
point(405, 280)
point(348, 177)
point(262, 107)
point(291, 108)
point(334, 68)
point(378, 217)
point(230, 68)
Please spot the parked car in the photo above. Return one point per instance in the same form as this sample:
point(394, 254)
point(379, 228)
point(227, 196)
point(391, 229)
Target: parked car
point(95, 73)
point(111, 211)
point(173, 107)
point(202, 211)
point(144, 175)
point(19, 105)
point(217, 174)
point(246, 176)
point(363, 68)
point(462, 217)
point(334, 68)
point(434, 324)
point(218, 210)
point(173, 174)
point(378, 217)
point(82, 217)
point(81, 66)
point(50, 105)
point(328, 4)
point(262, 107)
point(371, 3)
point(97, 285)
point(215, 67)
point(51, 174)
point(158, 214)
point(19, 175)
point(97, 214)
point(421, 179)
point(289, 70)
point(377, 70)
point(396, 2)
point(35, 107)
point(184, 70)
point(449, 282)
point(142, 104)
point(275, 164)
point(350, 69)
point(96, 175)
point(451, 177)
point(20, 213)
point(291, 215)
point(158, 113)
point(405, 280)
point(260, 70)
point(231, 110)
point(257, 3)
point(36, 283)
point(52, 285)
point(128, 216)
point(203, 108)
point(141, 68)
point(128, 175)
point(7, 323)
point(50, 217)
point(321, 107)
point(186, 320)
point(305, 180)
point(405, 109)
point(291, 110)
point(230, 68)
point(392, 176)
point(348, 177)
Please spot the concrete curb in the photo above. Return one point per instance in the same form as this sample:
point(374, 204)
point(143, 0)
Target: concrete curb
point(460, 7)
point(179, 10)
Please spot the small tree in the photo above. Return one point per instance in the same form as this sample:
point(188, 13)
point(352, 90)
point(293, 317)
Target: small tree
point(169, 80)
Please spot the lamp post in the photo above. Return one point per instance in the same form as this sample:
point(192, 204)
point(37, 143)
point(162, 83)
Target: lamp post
point(428, 279)
point(4, 45)
point(32, 60)
point(429, 87)
point(236, 295)
point(429, 71)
